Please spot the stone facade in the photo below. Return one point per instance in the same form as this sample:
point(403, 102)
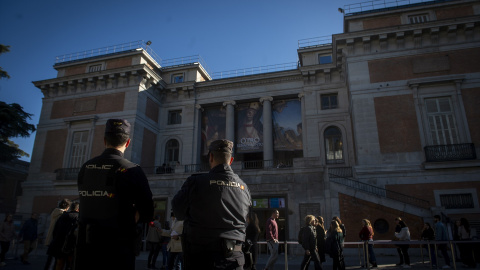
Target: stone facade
point(359, 152)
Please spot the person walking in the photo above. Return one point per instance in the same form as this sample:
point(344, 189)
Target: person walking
point(309, 244)
point(29, 235)
point(271, 231)
point(321, 235)
point(252, 233)
point(153, 241)
point(63, 206)
point(342, 227)
point(115, 195)
point(402, 249)
point(441, 235)
point(428, 234)
point(333, 245)
point(466, 250)
point(7, 234)
point(214, 207)
point(366, 234)
point(174, 247)
point(63, 231)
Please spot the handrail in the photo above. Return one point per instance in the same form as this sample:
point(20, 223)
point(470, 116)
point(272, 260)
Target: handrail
point(315, 42)
point(383, 4)
point(185, 60)
point(382, 192)
point(129, 46)
point(254, 70)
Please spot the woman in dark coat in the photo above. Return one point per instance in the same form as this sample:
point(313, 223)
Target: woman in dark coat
point(252, 232)
point(309, 243)
point(334, 242)
point(321, 238)
point(65, 223)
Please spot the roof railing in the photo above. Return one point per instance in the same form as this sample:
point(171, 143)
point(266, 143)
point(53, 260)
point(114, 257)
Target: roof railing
point(383, 4)
point(185, 60)
point(139, 44)
point(315, 42)
point(254, 70)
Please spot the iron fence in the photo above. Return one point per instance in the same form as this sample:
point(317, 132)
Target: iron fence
point(450, 152)
point(384, 4)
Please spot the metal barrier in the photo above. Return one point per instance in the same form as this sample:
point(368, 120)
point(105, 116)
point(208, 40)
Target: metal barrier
point(362, 249)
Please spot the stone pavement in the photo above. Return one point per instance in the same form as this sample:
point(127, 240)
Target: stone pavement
point(386, 259)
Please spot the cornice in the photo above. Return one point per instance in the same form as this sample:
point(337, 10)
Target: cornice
point(137, 75)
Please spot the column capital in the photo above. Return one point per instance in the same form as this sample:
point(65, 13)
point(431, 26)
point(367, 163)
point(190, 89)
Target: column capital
point(301, 95)
point(229, 102)
point(262, 99)
point(199, 107)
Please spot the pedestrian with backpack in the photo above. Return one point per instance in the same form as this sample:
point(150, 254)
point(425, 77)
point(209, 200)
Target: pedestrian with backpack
point(309, 243)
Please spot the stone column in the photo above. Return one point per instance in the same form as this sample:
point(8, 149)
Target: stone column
point(230, 120)
point(267, 131)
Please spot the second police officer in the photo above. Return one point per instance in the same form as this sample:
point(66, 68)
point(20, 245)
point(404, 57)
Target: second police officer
point(214, 207)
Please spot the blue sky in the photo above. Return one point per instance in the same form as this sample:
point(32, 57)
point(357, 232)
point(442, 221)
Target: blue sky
point(228, 35)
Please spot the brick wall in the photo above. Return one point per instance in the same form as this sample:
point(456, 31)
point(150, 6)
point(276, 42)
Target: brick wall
point(454, 12)
point(151, 110)
point(353, 210)
point(411, 67)
point(471, 101)
point(54, 150)
point(75, 70)
point(381, 22)
point(397, 124)
point(149, 144)
point(119, 62)
point(425, 191)
point(97, 105)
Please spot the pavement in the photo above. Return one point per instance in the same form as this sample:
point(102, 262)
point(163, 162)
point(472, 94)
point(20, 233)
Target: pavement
point(386, 259)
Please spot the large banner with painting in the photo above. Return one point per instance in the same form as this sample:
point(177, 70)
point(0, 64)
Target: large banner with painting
point(249, 128)
point(287, 123)
point(213, 126)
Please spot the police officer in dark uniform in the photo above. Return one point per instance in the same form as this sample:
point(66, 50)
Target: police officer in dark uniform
point(214, 207)
point(115, 195)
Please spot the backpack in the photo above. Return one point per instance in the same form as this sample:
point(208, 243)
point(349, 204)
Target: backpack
point(300, 235)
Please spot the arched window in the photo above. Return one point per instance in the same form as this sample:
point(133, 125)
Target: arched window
point(333, 145)
point(172, 151)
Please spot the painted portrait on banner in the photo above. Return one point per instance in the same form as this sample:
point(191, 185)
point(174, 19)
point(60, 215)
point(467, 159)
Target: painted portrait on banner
point(249, 137)
point(213, 126)
point(287, 122)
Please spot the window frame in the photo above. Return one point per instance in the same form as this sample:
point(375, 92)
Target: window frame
point(320, 56)
point(178, 117)
point(176, 75)
point(100, 65)
point(473, 191)
point(172, 153)
point(330, 106)
point(327, 143)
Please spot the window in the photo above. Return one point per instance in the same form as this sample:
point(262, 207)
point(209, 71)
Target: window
point(419, 18)
point(324, 59)
point(174, 117)
point(329, 101)
point(78, 154)
point(177, 78)
point(94, 68)
point(457, 201)
point(441, 121)
point(333, 145)
point(171, 152)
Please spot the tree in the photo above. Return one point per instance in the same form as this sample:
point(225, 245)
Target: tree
point(4, 49)
point(13, 124)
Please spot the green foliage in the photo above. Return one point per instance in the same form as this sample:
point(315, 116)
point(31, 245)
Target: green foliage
point(13, 123)
point(4, 49)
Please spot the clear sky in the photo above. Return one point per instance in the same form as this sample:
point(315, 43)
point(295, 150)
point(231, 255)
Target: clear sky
point(227, 34)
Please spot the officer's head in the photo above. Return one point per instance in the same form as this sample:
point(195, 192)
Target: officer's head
point(117, 133)
point(220, 152)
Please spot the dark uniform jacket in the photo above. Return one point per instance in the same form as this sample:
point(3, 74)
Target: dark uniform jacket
point(111, 190)
point(213, 205)
point(310, 239)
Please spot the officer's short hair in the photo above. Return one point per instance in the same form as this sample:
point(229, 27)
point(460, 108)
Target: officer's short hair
point(117, 132)
point(221, 150)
